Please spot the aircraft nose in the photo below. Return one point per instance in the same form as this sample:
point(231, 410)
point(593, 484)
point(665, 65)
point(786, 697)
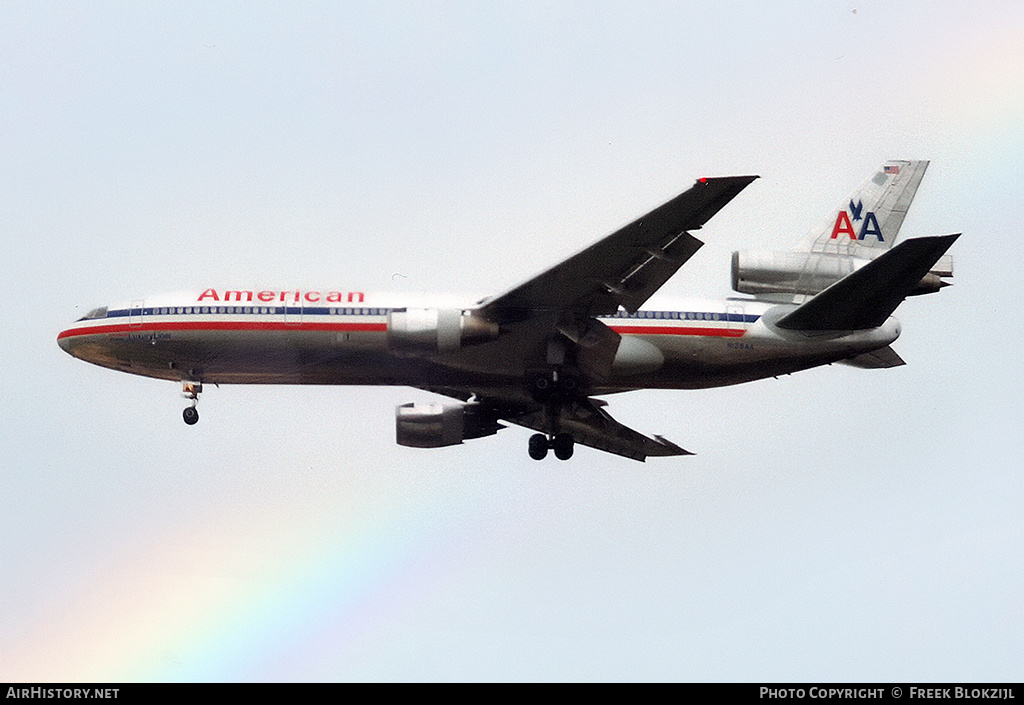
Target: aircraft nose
point(64, 341)
point(69, 338)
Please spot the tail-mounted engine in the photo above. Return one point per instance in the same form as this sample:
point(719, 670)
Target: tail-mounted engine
point(437, 330)
point(438, 425)
point(811, 273)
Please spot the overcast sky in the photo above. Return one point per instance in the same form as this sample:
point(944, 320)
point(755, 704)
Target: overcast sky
point(837, 524)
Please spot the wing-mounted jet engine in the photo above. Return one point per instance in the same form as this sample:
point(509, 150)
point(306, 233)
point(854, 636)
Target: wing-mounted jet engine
point(437, 330)
point(439, 425)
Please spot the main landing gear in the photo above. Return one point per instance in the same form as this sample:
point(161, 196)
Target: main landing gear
point(553, 387)
point(561, 443)
point(191, 390)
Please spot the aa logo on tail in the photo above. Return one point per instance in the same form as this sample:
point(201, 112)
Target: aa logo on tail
point(870, 225)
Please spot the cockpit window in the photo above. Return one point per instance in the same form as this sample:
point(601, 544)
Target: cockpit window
point(100, 312)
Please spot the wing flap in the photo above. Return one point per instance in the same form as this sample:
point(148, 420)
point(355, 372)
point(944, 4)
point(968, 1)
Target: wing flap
point(640, 284)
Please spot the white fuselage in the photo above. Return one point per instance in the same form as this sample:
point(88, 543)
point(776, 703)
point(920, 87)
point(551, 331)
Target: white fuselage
point(341, 337)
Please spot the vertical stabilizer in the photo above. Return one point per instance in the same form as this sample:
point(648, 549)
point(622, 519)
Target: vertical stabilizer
point(868, 221)
point(864, 226)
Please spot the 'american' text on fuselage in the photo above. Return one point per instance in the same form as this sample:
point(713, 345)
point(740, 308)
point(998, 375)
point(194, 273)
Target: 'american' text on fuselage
point(295, 296)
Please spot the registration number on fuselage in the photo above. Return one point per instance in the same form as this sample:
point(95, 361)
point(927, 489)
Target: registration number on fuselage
point(142, 337)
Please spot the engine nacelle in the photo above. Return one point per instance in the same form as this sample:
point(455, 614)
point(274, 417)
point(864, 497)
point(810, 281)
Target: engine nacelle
point(810, 273)
point(789, 272)
point(439, 425)
point(437, 330)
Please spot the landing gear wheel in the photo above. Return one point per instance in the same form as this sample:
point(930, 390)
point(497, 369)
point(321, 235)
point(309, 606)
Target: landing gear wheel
point(553, 384)
point(563, 446)
point(191, 390)
point(538, 446)
point(541, 388)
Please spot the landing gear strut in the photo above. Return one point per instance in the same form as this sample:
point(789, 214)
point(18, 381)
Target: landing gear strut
point(561, 443)
point(191, 390)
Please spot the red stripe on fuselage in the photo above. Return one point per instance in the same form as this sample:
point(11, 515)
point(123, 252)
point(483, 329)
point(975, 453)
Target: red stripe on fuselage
point(679, 330)
point(351, 327)
point(226, 325)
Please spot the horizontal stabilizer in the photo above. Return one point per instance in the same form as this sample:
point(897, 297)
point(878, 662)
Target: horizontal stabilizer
point(868, 296)
point(880, 359)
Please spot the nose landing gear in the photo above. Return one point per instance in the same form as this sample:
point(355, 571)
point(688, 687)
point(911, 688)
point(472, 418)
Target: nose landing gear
point(191, 390)
point(562, 444)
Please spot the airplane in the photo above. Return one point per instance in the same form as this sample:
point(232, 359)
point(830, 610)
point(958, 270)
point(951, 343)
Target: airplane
point(542, 354)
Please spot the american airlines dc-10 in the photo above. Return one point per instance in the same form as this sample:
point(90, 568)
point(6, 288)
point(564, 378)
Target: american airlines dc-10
point(542, 354)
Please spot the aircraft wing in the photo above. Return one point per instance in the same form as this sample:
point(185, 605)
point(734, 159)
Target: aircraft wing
point(626, 267)
point(623, 269)
point(585, 419)
point(591, 425)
